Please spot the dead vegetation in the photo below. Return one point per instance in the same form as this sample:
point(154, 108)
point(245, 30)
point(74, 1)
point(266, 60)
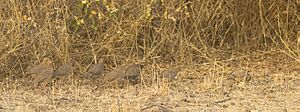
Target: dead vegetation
point(234, 55)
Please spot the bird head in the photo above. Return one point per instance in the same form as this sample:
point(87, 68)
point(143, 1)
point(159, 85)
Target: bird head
point(47, 61)
point(100, 60)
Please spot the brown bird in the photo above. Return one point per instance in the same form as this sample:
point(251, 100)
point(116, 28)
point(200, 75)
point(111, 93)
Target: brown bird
point(42, 72)
point(63, 71)
point(115, 74)
point(95, 70)
point(240, 75)
point(297, 83)
point(169, 74)
point(133, 72)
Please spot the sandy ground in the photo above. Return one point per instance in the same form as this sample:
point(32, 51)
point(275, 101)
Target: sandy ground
point(196, 88)
point(182, 94)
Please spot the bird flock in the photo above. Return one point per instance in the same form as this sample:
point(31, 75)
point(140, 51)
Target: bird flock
point(44, 72)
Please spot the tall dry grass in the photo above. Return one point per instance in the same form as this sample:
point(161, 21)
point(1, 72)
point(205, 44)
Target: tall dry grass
point(149, 31)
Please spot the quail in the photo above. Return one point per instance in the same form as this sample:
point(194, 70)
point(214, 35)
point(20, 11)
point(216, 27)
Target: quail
point(133, 72)
point(64, 70)
point(297, 83)
point(42, 72)
point(95, 70)
point(240, 75)
point(169, 74)
point(115, 74)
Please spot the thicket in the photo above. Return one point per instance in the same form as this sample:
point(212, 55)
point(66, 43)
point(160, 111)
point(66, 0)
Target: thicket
point(149, 31)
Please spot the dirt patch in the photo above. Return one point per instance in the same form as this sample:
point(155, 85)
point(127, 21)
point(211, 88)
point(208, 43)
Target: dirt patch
point(210, 92)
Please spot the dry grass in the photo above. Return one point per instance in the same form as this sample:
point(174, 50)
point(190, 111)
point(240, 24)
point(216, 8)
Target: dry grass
point(206, 40)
